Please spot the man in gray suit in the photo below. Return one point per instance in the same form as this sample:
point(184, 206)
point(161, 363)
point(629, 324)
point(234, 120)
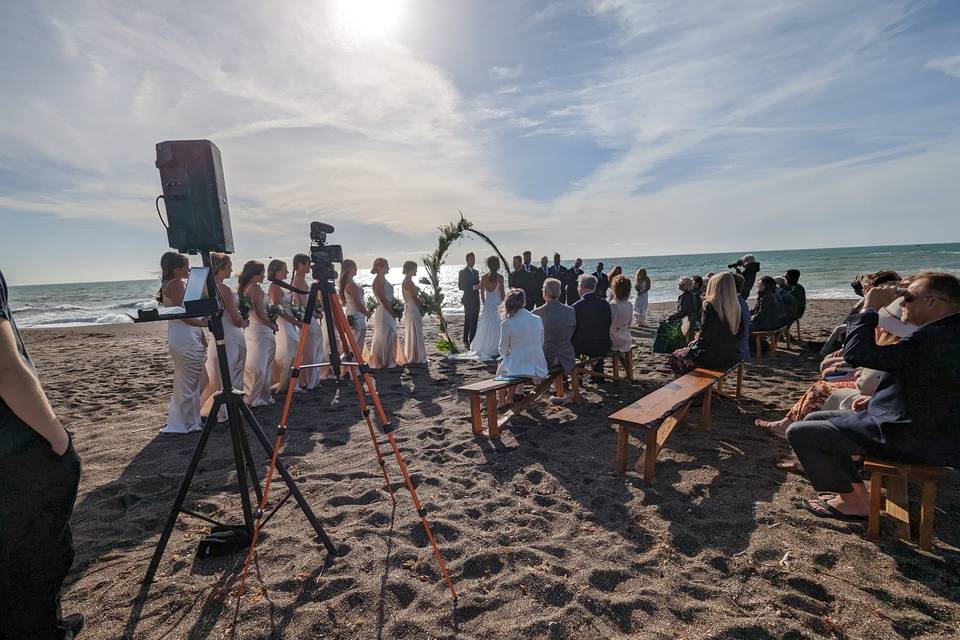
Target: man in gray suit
point(559, 323)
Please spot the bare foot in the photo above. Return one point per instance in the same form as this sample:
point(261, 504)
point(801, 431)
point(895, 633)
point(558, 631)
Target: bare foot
point(776, 427)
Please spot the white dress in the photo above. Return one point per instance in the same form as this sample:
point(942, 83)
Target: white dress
point(486, 343)
point(236, 346)
point(414, 348)
point(189, 377)
point(358, 323)
point(257, 372)
point(288, 339)
point(640, 306)
point(521, 346)
point(383, 351)
point(621, 312)
point(315, 350)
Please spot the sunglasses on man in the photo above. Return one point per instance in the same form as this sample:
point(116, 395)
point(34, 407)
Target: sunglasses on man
point(909, 297)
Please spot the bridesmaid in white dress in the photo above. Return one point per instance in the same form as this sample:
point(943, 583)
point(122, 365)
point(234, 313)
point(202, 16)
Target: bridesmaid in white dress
point(621, 313)
point(613, 273)
point(414, 349)
point(521, 344)
point(642, 286)
point(486, 342)
point(288, 337)
point(383, 351)
point(188, 347)
point(354, 306)
point(233, 338)
point(315, 350)
point(261, 342)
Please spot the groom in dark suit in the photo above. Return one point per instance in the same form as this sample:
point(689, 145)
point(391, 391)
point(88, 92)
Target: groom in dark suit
point(559, 272)
point(603, 282)
point(469, 283)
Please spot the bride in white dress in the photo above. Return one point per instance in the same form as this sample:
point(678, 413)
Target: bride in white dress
point(188, 347)
point(261, 342)
point(414, 349)
point(315, 349)
point(385, 347)
point(233, 338)
point(485, 344)
point(288, 337)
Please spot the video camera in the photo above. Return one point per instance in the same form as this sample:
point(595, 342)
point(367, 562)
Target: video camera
point(322, 255)
point(735, 265)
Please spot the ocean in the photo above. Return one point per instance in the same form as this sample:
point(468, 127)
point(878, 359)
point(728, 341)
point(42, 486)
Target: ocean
point(825, 273)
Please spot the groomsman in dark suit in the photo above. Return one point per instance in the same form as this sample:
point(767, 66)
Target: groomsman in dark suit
point(542, 274)
point(570, 282)
point(559, 272)
point(469, 283)
point(603, 282)
point(528, 281)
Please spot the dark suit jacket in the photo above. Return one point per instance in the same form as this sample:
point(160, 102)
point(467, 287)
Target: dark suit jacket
point(570, 284)
point(557, 271)
point(603, 283)
point(914, 415)
point(592, 335)
point(465, 282)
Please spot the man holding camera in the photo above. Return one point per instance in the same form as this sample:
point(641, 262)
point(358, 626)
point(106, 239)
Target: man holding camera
point(748, 267)
point(36, 500)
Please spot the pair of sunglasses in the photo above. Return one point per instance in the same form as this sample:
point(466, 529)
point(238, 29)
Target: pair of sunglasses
point(909, 297)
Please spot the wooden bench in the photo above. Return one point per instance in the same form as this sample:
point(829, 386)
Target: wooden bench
point(488, 389)
point(657, 414)
point(723, 374)
point(771, 338)
point(888, 496)
point(584, 368)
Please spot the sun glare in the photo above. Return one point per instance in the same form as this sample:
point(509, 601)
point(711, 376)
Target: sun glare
point(368, 18)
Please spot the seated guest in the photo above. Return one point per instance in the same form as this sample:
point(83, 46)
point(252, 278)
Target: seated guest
point(860, 285)
point(686, 306)
point(717, 347)
point(912, 415)
point(559, 323)
point(743, 334)
point(621, 313)
point(796, 289)
point(592, 335)
point(788, 304)
point(696, 288)
point(613, 273)
point(521, 344)
point(766, 314)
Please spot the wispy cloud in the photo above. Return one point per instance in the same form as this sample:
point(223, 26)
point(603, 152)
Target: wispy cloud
point(950, 65)
point(506, 73)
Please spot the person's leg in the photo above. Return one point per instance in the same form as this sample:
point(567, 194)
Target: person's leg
point(824, 451)
point(835, 341)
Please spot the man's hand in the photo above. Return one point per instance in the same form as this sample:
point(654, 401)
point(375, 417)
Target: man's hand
point(860, 403)
point(878, 297)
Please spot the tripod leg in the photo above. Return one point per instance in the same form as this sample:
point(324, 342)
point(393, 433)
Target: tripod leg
point(237, 438)
point(288, 479)
point(182, 493)
point(234, 414)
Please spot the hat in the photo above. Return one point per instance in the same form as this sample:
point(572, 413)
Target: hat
point(891, 323)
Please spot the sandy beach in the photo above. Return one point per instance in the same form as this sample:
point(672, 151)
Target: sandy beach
point(541, 539)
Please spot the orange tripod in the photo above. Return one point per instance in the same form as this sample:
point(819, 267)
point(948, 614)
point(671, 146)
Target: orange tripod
point(336, 323)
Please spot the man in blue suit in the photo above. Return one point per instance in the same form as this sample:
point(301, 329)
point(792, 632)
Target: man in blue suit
point(913, 416)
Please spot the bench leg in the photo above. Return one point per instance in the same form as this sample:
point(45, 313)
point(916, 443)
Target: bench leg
point(756, 340)
point(898, 505)
point(616, 364)
point(740, 380)
point(630, 365)
point(493, 429)
point(575, 384)
point(623, 446)
point(720, 386)
point(798, 330)
point(476, 419)
point(558, 386)
point(706, 415)
point(650, 451)
point(928, 504)
point(876, 504)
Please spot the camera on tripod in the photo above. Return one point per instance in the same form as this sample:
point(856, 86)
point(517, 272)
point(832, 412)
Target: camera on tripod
point(322, 255)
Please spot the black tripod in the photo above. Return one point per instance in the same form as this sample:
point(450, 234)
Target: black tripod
point(236, 408)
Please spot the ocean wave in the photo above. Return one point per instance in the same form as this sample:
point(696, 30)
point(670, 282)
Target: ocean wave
point(48, 309)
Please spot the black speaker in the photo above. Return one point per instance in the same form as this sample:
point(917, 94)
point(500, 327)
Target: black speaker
point(198, 217)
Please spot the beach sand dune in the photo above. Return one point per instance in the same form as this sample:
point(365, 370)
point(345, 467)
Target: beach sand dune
point(541, 539)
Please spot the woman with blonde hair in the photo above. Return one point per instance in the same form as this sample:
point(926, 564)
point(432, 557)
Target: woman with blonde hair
point(642, 286)
point(385, 351)
point(288, 337)
point(351, 297)
point(233, 337)
point(414, 348)
point(315, 349)
point(716, 348)
point(260, 338)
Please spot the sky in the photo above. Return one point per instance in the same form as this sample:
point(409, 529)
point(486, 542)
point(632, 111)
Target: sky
point(593, 128)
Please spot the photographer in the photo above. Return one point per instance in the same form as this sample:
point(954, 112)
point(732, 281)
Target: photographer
point(36, 497)
point(748, 267)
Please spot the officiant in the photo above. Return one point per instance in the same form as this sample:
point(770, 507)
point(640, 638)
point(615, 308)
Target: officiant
point(469, 284)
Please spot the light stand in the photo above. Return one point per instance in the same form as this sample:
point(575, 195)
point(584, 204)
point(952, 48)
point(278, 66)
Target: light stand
point(232, 399)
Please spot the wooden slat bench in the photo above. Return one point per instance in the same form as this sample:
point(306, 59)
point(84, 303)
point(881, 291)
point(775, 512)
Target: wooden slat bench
point(584, 368)
point(487, 389)
point(771, 338)
point(888, 496)
point(657, 414)
point(723, 374)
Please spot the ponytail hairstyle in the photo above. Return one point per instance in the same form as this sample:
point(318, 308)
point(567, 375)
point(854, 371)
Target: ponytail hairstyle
point(493, 264)
point(220, 262)
point(515, 300)
point(299, 259)
point(348, 268)
point(169, 262)
point(275, 267)
point(251, 270)
point(409, 266)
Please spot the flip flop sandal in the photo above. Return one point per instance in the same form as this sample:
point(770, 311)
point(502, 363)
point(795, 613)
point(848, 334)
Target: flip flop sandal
point(829, 511)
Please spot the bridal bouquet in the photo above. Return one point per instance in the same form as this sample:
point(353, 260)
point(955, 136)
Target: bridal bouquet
point(371, 303)
point(273, 312)
point(297, 310)
point(397, 308)
point(245, 306)
point(353, 321)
